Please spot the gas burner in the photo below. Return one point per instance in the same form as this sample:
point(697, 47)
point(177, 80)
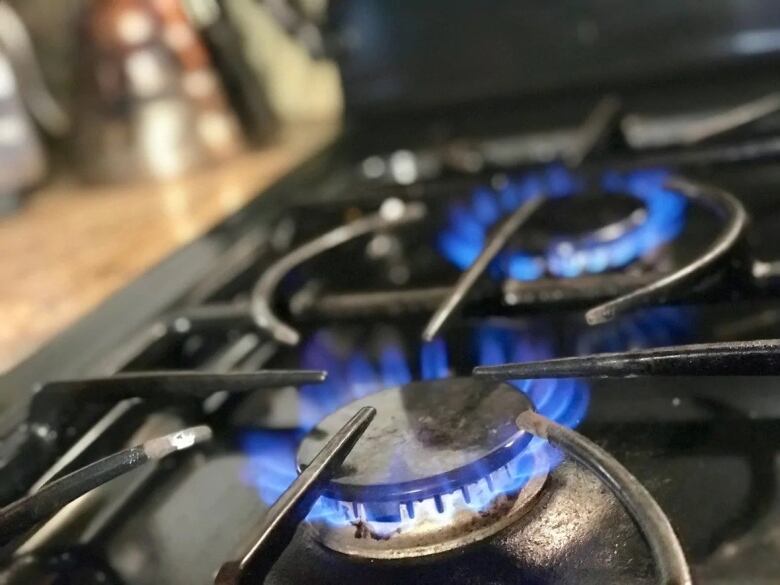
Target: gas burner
point(366, 364)
point(656, 217)
point(441, 466)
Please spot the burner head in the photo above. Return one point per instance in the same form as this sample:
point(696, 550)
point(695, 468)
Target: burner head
point(441, 465)
point(637, 214)
point(428, 438)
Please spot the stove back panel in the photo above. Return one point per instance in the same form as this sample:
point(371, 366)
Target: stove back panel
point(416, 54)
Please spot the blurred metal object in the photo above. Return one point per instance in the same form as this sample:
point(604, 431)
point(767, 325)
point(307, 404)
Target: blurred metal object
point(15, 41)
point(22, 159)
point(25, 513)
point(594, 130)
point(299, 23)
point(690, 129)
point(393, 213)
point(243, 86)
point(150, 105)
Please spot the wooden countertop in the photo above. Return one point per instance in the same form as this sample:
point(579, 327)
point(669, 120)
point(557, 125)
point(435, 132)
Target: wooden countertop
point(72, 246)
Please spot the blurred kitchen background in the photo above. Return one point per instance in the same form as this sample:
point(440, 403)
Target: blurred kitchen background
point(128, 127)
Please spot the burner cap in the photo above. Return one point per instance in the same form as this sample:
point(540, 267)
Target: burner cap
point(586, 214)
point(428, 438)
point(442, 465)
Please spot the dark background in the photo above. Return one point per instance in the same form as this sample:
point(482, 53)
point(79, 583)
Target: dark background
point(414, 54)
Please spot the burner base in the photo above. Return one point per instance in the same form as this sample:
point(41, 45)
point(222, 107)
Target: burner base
point(430, 532)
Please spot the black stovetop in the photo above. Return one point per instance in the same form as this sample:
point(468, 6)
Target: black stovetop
point(702, 445)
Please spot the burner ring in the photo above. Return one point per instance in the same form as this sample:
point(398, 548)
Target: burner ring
point(428, 438)
point(361, 538)
point(610, 247)
point(442, 465)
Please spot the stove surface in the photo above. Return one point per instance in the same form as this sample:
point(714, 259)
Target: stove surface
point(398, 272)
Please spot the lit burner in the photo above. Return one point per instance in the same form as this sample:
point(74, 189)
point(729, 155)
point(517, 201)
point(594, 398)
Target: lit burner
point(659, 219)
point(354, 372)
point(441, 465)
point(362, 368)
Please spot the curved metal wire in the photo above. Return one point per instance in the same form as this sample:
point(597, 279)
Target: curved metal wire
point(15, 39)
point(735, 224)
point(392, 214)
point(642, 132)
point(649, 517)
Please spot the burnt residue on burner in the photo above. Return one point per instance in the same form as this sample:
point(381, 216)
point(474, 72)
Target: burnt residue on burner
point(464, 521)
point(430, 532)
point(362, 362)
point(575, 532)
point(364, 530)
point(362, 366)
point(443, 465)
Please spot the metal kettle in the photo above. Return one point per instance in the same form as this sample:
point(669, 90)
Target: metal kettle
point(22, 162)
point(148, 103)
point(23, 95)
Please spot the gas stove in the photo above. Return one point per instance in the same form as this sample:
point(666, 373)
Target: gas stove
point(490, 351)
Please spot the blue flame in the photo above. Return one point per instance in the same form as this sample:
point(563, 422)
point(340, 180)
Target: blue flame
point(353, 374)
point(271, 466)
point(433, 360)
point(562, 400)
point(395, 370)
point(362, 378)
point(651, 327)
point(566, 257)
point(356, 373)
point(485, 206)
